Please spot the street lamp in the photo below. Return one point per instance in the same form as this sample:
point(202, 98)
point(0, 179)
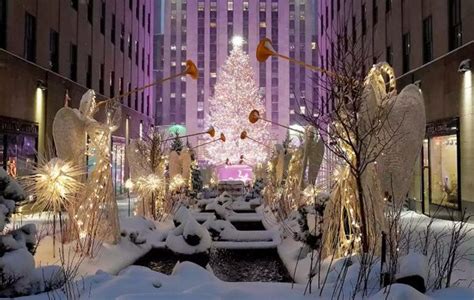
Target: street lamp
point(129, 187)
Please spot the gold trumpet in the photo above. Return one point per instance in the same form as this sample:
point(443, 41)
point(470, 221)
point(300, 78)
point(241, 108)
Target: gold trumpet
point(244, 135)
point(211, 131)
point(254, 116)
point(220, 138)
point(190, 70)
point(265, 50)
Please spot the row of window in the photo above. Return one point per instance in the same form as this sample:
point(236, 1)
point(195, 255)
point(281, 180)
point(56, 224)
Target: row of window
point(455, 36)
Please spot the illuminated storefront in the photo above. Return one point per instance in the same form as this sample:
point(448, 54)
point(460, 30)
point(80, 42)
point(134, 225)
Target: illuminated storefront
point(440, 166)
point(118, 164)
point(18, 146)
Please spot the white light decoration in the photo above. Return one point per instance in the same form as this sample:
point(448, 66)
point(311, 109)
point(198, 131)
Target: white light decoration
point(236, 93)
point(237, 41)
point(54, 183)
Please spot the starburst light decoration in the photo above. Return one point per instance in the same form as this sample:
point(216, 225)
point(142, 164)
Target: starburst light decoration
point(54, 183)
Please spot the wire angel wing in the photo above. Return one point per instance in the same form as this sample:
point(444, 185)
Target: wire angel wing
point(395, 167)
point(186, 164)
point(69, 134)
point(174, 164)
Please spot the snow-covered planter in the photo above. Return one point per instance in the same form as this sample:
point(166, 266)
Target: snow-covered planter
point(413, 271)
point(190, 240)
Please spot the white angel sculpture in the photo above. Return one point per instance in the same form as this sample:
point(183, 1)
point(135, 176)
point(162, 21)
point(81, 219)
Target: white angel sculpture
point(77, 133)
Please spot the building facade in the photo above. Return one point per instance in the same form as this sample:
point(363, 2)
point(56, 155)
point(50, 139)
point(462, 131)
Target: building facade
point(431, 44)
point(201, 30)
point(59, 49)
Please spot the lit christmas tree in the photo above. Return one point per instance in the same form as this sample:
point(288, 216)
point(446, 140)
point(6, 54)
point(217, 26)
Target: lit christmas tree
point(236, 94)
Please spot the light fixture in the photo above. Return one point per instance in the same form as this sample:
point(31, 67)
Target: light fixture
point(40, 84)
point(464, 66)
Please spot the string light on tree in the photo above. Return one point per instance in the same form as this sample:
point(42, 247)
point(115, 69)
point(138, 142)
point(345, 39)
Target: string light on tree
point(236, 93)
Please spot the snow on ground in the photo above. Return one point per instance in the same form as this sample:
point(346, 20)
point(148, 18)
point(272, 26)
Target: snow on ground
point(188, 281)
point(110, 258)
point(289, 251)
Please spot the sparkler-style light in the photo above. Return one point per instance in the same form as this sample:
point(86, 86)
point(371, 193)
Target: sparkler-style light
point(147, 185)
point(54, 183)
point(177, 182)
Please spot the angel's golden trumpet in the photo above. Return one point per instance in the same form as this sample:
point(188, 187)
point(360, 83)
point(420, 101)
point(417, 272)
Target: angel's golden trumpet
point(265, 50)
point(221, 138)
point(244, 135)
point(190, 70)
point(211, 131)
point(254, 116)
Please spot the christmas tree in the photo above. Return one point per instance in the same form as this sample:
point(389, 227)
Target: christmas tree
point(177, 144)
point(236, 94)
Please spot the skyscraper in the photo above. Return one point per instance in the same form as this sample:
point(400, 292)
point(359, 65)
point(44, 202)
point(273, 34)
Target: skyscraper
point(201, 30)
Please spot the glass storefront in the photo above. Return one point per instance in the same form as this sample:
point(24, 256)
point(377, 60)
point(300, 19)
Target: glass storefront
point(118, 164)
point(18, 146)
point(441, 165)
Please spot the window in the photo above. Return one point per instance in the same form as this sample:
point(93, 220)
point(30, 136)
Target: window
point(322, 25)
point(74, 4)
point(101, 79)
point(427, 40)
point(30, 37)
point(388, 6)
point(90, 10)
point(327, 17)
point(137, 10)
point(143, 16)
point(3, 23)
point(389, 57)
point(148, 65)
point(148, 105)
point(130, 6)
point(406, 52)
point(122, 36)
point(364, 19)
point(112, 30)
point(143, 59)
point(112, 84)
point(149, 23)
point(73, 62)
point(102, 18)
point(136, 52)
point(375, 12)
point(121, 86)
point(129, 97)
point(354, 30)
point(455, 26)
point(54, 50)
point(89, 72)
point(129, 46)
point(142, 106)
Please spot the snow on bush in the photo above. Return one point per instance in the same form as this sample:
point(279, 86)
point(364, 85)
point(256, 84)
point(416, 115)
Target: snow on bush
point(16, 246)
point(189, 237)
